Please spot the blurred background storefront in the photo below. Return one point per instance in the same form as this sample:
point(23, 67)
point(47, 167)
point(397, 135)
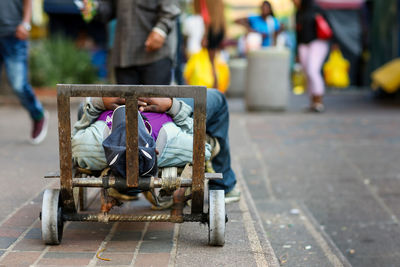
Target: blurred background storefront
point(367, 32)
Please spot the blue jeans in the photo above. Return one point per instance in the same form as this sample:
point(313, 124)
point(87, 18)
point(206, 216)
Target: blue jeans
point(217, 125)
point(14, 55)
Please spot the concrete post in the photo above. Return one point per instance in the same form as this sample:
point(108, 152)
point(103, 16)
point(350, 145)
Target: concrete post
point(268, 79)
point(238, 72)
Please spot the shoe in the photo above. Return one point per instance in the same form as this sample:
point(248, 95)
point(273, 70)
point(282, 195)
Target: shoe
point(232, 196)
point(318, 108)
point(122, 197)
point(39, 130)
point(317, 104)
point(149, 197)
point(164, 203)
point(161, 203)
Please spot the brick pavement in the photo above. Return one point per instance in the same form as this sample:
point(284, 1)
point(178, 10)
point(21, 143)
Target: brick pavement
point(143, 244)
point(125, 244)
point(326, 185)
point(262, 143)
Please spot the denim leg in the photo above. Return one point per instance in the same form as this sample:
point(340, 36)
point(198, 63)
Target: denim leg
point(15, 57)
point(217, 125)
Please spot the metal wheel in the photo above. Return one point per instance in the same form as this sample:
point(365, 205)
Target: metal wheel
point(52, 223)
point(216, 220)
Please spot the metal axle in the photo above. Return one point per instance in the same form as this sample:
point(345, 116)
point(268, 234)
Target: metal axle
point(134, 218)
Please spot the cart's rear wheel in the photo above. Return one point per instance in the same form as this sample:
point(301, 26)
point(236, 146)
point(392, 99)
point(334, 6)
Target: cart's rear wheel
point(216, 221)
point(52, 223)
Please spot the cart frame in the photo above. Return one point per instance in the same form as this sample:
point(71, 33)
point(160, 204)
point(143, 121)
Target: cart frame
point(131, 94)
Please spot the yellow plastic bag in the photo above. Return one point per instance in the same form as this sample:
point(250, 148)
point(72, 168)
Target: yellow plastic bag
point(387, 77)
point(299, 80)
point(198, 71)
point(336, 70)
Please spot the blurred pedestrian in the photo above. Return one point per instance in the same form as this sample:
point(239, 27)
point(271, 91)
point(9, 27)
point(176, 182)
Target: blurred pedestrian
point(144, 46)
point(312, 50)
point(212, 12)
point(15, 16)
point(193, 38)
point(265, 24)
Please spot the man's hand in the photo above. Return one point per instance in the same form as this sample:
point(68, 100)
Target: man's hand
point(154, 104)
point(111, 103)
point(154, 41)
point(21, 33)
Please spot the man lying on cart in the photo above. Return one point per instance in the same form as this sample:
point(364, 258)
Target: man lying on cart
point(168, 130)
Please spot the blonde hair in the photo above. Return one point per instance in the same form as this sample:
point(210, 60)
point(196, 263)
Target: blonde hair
point(216, 12)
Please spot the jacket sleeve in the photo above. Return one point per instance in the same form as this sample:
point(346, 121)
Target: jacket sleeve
point(178, 149)
point(91, 111)
point(87, 148)
point(87, 137)
point(181, 114)
point(167, 12)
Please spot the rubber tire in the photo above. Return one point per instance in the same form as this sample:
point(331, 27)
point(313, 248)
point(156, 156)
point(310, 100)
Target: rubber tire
point(52, 223)
point(216, 217)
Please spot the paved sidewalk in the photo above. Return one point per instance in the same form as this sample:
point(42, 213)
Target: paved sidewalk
point(132, 244)
point(318, 190)
point(90, 244)
point(326, 186)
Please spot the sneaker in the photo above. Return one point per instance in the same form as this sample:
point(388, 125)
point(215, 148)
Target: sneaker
point(161, 203)
point(39, 130)
point(232, 196)
point(318, 108)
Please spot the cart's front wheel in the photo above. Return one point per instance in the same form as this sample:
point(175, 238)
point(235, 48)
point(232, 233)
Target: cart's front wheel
point(52, 223)
point(216, 214)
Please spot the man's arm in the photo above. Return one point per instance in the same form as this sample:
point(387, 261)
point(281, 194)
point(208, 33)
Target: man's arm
point(145, 104)
point(111, 103)
point(245, 23)
point(154, 104)
point(23, 29)
point(167, 13)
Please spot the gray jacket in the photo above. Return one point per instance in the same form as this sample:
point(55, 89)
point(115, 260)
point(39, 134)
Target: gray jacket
point(10, 16)
point(135, 20)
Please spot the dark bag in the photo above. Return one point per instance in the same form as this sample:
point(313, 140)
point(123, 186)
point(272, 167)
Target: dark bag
point(115, 147)
point(324, 31)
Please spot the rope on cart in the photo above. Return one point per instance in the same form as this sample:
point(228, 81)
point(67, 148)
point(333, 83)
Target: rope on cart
point(170, 183)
